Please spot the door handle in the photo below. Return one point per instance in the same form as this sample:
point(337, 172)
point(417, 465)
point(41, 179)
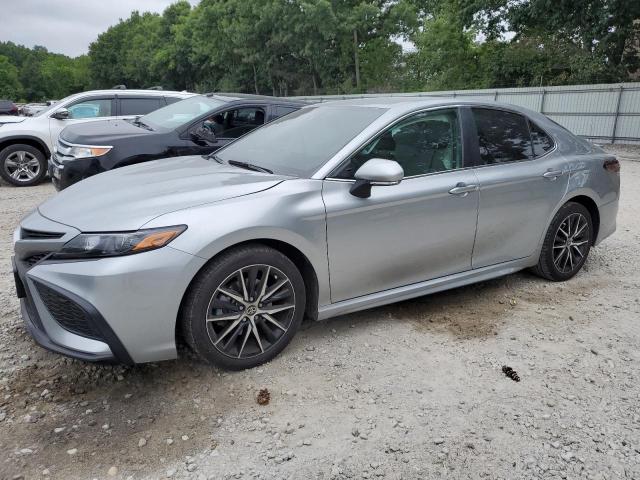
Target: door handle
point(552, 174)
point(462, 189)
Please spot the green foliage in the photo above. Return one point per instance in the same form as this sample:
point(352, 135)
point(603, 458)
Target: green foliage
point(289, 47)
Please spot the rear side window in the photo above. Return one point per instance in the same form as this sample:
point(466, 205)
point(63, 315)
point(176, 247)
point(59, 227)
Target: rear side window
point(502, 136)
point(139, 106)
point(542, 142)
point(281, 110)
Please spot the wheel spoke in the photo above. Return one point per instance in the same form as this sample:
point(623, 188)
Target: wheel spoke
point(224, 318)
point(11, 163)
point(20, 155)
point(257, 335)
point(274, 289)
point(33, 163)
point(269, 318)
point(277, 309)
point(228, 330)
point(231, 294)
point(264, 281)
point(244, 342)
point(566, 235)
point(245, 294)
point(578, 250)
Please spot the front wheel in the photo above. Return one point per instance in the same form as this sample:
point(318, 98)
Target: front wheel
point(244, 307)
point(22, 165)
point(566, 244)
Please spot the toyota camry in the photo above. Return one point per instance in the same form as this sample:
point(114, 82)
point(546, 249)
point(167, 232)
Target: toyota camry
point(335, 208)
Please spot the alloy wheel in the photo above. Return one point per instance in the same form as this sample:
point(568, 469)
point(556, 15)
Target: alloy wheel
point(22, 166)
point(250, 311)
point(571, 243)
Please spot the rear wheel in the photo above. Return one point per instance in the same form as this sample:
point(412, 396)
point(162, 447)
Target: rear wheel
point(566, 244)
point(22, 165)
point(244, 307)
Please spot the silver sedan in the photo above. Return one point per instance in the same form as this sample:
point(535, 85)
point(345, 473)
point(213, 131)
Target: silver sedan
point(335, 208)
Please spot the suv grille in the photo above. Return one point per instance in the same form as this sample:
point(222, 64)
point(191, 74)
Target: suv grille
point(66, 312)
point(27, 234)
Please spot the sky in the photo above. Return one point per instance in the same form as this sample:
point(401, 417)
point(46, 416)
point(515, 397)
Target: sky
point(67, 26)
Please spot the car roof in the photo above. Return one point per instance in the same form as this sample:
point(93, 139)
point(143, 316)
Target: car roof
point(125, 92)
point(398, 105)
point(231, 97)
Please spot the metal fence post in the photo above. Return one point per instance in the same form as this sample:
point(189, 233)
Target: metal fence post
point(542, 95)
point(615, 119)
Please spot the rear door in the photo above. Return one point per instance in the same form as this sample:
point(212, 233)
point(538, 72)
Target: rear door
point(130, 106)
point(521, 182)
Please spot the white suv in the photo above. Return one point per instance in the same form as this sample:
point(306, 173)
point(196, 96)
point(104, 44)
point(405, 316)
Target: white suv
point(27, 142)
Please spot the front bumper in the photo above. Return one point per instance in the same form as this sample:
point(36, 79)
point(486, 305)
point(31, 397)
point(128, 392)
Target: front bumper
point(65, 174)
point(120, 309)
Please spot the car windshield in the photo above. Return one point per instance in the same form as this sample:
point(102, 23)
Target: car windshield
point(301, 142)
point(179, 113)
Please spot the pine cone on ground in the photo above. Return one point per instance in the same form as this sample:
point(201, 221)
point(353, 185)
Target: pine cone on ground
point(511, 373)
point(263, 397)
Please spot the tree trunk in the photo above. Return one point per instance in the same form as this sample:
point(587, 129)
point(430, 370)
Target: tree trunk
point(356, 58)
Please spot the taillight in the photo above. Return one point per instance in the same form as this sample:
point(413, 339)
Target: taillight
point(612, 166)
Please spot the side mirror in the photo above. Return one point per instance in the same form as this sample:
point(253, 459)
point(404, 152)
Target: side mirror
point(376, 171)
point(61, 114)
point(203, 135)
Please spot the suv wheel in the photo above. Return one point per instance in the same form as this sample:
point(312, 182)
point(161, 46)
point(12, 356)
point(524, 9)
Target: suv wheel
point(566, 244)
point(244, 307)
point(22, 165)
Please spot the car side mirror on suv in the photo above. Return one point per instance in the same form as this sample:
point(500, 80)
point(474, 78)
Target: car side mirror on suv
point(376, 171)
point(61, 114)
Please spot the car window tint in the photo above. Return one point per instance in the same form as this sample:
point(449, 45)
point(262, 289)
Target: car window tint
point(502, 136)
point(91, 108)
point(281, 110)
point(424, 143)
point(542, 142)
point(300, 143)
point(235, 123)
point(139, 106)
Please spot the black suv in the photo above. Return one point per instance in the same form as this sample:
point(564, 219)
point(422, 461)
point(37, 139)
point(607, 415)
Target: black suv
point(196, 125)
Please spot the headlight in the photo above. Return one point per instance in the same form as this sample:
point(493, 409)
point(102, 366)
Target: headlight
point(95, 245)
point(88, 151)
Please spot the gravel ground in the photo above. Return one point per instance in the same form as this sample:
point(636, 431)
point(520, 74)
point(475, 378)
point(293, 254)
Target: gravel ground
point(411, 390)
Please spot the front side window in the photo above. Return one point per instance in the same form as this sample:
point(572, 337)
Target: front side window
point(542, 142)
point(235, 123)
point(179, 113)
point(502, 136)
point(424, 143)
point(139, 106)
point(91, 108)
point(300, 143)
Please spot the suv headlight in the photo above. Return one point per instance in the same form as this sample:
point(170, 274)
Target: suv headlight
point(96, 245)
point(86, 151)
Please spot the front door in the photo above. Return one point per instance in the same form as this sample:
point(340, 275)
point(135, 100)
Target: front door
point(521, 182)
point(420, 229)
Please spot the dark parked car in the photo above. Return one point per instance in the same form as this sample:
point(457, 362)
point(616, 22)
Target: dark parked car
point(197, 125)
point(7, 107)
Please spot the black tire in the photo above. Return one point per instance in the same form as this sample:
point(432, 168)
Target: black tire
point(549, 267)
point(204, 295)
point(36, 163)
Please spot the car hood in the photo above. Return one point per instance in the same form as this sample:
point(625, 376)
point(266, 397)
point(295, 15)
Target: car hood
point(127, 198)
point(11, 119)
point(102, 132)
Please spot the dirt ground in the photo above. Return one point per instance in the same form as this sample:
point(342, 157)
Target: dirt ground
point(412, 390)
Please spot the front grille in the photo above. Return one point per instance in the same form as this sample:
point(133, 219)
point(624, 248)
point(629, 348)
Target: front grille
point(66, 312)
point(27, 234)
point(33, 259)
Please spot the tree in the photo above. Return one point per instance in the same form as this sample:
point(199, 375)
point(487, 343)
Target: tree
point(10, 86)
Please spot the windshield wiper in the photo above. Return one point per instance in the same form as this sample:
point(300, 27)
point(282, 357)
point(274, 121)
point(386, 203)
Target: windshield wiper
point(213, 156)
point(249, 166)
